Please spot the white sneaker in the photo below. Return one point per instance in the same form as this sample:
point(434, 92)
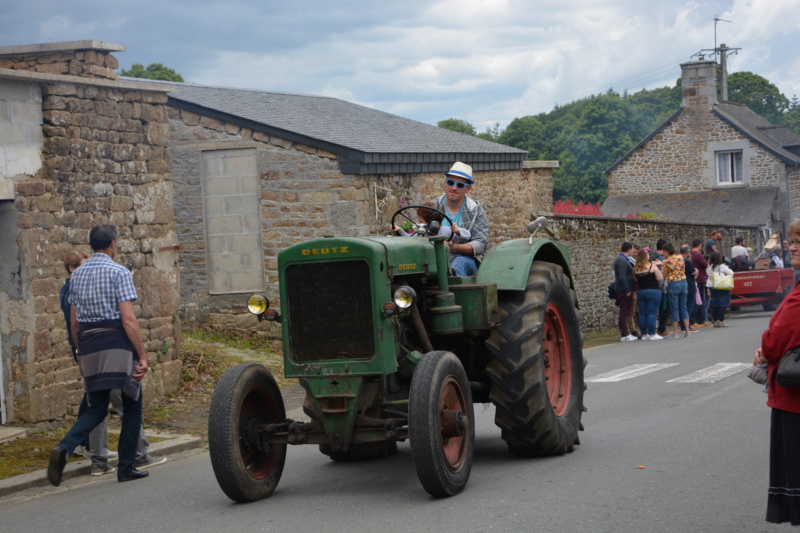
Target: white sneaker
point(82, 451)
point(99, 471)
point(152, 462)
point(629, 338)
point(656, 337)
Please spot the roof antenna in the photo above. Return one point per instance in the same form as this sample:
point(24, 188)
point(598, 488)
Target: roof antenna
point(717, 19)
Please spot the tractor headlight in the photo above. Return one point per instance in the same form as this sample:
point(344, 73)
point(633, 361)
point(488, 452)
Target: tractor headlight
point(257, 304)
point(404, 297)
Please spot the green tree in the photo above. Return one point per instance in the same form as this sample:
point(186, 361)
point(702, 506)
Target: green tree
point(491, 134)
point(526, 133)
point(758, 94)
point(456, 124)
point(792, 119)
point(587, 136)
point(154, 71)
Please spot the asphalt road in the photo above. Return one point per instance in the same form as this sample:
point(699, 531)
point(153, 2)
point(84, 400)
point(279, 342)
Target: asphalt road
point(682, 409)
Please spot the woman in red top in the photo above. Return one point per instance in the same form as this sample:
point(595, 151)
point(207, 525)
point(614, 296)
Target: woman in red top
point(783, 334)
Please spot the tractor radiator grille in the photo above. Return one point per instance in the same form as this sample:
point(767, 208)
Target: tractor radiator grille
point(330, 311)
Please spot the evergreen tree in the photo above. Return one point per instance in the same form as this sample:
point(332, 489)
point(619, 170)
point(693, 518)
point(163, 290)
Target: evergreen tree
point(154, 71)
point(456, 124)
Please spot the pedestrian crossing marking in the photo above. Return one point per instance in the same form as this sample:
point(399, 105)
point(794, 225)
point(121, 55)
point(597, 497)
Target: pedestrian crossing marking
point(712, 373)
point(629, 372)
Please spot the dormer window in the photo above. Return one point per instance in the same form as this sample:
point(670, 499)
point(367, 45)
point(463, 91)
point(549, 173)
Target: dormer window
point(729, 167)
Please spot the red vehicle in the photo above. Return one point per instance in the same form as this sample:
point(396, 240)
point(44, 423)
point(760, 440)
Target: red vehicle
point(761, 287)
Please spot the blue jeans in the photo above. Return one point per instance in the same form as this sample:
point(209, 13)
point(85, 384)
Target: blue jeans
point(677, 292)
point(649, 301)
point(96, 413)
point(464, 265)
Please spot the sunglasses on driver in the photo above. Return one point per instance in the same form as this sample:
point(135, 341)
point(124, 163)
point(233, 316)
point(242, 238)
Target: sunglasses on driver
point(458, 184)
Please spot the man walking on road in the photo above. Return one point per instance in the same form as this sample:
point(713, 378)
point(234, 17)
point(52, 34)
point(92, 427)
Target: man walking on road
point(624, 287)
point(110, 352)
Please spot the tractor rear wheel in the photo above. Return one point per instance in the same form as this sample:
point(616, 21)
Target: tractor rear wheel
point(537, 365)
point(245, 398)
point(441, 424)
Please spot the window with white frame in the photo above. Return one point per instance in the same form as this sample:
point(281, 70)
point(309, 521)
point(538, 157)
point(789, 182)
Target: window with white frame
point(729, 167)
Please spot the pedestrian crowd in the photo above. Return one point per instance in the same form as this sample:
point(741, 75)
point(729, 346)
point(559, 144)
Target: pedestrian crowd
point(671, 291)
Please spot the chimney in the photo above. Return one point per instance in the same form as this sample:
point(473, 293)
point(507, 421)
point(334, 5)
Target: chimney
point(699, 82)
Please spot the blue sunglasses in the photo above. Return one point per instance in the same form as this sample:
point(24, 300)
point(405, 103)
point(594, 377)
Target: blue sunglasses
point(458, 184)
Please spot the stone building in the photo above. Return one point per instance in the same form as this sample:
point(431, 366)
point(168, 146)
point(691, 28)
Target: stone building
point(79, 147)
point(712, 162)
point(255, 172)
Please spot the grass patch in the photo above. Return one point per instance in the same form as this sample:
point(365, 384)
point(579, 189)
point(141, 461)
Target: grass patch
point(208, 351)
point(600, 338)
point(32, 453)
point(239, 339)
point(202, 363)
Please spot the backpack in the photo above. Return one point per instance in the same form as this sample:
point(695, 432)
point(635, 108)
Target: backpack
point(739, 264)
point(612, 293)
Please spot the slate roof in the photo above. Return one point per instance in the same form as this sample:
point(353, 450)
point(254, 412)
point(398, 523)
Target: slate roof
point(366, 141)
point(750, 206)
point(773, 138)
point(779, 140)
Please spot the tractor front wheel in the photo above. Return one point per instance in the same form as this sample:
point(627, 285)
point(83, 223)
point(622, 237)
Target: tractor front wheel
point(245, 398)
point(441, 424)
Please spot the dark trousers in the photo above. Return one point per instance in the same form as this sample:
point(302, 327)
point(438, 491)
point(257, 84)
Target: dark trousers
point(718, 313)
point(701, 311)
point(95, 413)
point(663, 314)
point(784, 468)
point(625, 304)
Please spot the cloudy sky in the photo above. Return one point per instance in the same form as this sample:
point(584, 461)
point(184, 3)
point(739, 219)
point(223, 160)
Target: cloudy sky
point(484, 61)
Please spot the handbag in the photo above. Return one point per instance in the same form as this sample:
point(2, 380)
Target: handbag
point(788, 372)
point(721, 281)
point(698, 300)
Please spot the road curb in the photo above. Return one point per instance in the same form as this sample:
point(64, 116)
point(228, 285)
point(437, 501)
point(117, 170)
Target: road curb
point(173, 444)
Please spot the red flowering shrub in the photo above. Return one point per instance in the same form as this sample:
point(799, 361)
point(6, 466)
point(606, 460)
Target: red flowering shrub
point(566, 207)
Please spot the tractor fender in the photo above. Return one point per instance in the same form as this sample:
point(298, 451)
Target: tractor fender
point(507, 265)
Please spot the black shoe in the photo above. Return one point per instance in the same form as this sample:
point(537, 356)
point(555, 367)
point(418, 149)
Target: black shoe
point(132, 475)
point(55, 469)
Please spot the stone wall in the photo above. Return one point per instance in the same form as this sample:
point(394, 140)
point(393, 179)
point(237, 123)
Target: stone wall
point(304, 195)
point(91, 59)
point(793, 179)
point(104, 160)
point(677, 159)
point(594, 243)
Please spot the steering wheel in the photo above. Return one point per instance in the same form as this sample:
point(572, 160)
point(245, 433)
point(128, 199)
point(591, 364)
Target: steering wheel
point(401, 212)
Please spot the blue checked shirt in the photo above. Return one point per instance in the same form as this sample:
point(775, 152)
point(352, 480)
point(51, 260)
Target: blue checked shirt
point(98, 287)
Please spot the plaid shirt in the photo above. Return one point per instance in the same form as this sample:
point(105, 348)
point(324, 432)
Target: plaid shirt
point(98, 287)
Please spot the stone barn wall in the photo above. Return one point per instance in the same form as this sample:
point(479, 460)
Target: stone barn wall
point(217, 166)
point(103, 159)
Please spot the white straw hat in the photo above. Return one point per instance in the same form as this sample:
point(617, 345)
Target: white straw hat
point(461, 170)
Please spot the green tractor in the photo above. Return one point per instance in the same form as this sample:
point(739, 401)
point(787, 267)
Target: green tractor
point(390, 347)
